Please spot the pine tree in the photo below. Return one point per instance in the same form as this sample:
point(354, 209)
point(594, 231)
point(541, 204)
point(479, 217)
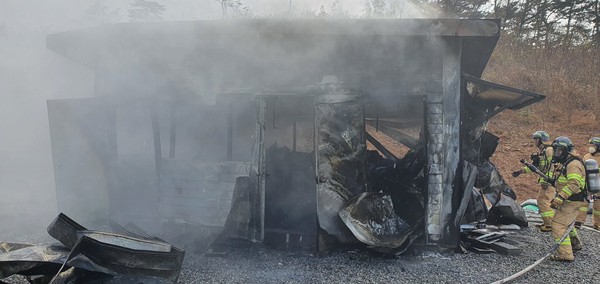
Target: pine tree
point(144, 11)
point(99, 13)
point(461, 8)
point(226, 4)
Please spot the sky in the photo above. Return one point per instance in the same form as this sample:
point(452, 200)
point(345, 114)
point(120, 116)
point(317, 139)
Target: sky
point(43, 16)
point(35, 14)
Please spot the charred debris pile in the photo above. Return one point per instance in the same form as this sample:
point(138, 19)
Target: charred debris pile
point(126, 255)
point(268, 140)
point(376, 198)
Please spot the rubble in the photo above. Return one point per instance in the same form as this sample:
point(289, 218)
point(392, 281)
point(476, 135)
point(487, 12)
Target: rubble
point(490, 239)
point(372, 219)
point(93, 256)
point(260, 264)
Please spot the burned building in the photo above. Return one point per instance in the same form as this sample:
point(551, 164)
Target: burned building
point(261, 127)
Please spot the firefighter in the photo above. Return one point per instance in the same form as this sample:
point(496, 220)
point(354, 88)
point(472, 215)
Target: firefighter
point(570, 186)
point(546, 193)
point(593, 153)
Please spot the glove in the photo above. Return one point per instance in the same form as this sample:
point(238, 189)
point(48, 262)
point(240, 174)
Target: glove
point(556, 202)
point(535, 160)
point(517, 173)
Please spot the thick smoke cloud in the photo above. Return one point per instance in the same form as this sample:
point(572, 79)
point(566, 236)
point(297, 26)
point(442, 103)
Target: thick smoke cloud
point(30, 75)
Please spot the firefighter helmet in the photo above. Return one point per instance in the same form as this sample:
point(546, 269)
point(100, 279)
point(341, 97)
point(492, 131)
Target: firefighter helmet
point(595, 147)
point(562, 147)
point(541, 135)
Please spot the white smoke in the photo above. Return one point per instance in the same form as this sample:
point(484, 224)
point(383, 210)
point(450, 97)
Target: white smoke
point(30, 75)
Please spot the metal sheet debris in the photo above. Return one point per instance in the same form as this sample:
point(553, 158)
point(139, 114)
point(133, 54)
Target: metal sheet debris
point(341, 157)
point(483, 240)
point(372, 219)
point(93, 257)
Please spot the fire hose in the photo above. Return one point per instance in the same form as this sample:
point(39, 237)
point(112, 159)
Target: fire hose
point(589, 228)
point(538, 172)
point(537, 262)
point(554, 246)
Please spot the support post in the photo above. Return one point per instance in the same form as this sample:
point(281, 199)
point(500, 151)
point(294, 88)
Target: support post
point(435, 154)
point(295, 137)
point(230, 133)
point(172, 132)
point(443, 148)
point(156, 136)
point(262, 174)
point(451, 112)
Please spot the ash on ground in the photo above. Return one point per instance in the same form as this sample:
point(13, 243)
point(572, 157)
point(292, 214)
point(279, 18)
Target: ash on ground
point(257, 264)
point(260, 264)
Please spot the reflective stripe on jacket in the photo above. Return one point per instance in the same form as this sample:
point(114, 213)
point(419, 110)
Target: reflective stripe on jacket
point(571, 180)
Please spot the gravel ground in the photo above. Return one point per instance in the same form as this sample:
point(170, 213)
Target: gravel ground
point(262, 265)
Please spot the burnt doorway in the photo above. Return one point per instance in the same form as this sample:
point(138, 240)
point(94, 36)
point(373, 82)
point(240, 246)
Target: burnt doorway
point(289, 164)
point(397, 155)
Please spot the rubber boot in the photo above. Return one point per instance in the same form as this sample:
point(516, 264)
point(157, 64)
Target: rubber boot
point(544, 228)
point(576, 244)
point(558, 258)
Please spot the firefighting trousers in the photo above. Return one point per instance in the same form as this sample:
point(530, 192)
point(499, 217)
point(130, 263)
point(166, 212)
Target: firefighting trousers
point(596, 213)
point(583, 210)
point(565, 215)
point(545, 195)
point(582, 216)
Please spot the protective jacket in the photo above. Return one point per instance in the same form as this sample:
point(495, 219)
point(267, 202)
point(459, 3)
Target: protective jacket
point(570, 179)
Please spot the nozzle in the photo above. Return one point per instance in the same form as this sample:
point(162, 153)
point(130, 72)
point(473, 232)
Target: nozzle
point(522, 161)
